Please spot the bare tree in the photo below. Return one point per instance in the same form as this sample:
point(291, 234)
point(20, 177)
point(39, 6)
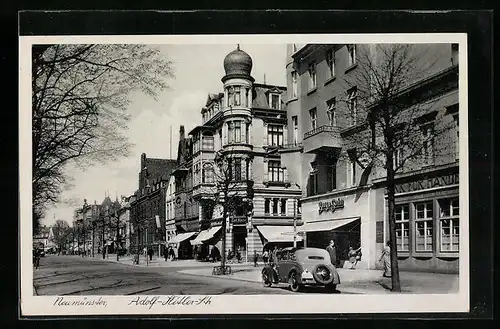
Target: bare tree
point(62, 234)
point(79, 100)
point(231, 193)
point(393, 124)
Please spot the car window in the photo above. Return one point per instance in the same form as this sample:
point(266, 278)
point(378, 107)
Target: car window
point(315, 257)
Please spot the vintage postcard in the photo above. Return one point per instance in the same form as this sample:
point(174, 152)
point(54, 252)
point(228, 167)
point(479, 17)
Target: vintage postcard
point(243, 174)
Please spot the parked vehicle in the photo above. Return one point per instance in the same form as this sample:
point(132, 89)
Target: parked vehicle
point(301, 267)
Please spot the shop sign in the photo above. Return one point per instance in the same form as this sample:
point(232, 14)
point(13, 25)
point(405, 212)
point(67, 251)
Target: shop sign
point(239, 220)
point(331, 205)
point(427, 183)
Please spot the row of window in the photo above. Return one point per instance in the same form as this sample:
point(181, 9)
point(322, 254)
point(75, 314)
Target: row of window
point(331, 62)
point(423, 223)
point(331, 110)
point(207, 144)
point(275, 206)
point(240, 96)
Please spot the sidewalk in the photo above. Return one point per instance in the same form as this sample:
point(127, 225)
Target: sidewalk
point(357, 281)
point(160, 262)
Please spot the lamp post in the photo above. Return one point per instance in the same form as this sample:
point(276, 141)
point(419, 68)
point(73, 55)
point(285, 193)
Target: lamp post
point(85, 207)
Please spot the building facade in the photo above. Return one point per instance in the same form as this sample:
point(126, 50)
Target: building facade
point(147, 210)
point(343, 198)
point(170, 210)
point(246, 124)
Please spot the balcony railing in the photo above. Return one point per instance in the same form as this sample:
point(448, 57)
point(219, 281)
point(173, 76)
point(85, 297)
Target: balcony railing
point(325, 128)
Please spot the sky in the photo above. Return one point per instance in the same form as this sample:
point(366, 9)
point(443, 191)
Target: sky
point(198, 69)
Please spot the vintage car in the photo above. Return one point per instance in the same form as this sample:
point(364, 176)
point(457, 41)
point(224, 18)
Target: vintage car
point(301, 267)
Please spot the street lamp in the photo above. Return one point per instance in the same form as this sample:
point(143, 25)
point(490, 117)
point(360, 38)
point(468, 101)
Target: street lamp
point(85, 207)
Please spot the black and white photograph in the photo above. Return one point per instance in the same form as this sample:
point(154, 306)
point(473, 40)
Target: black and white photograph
point(244, 174)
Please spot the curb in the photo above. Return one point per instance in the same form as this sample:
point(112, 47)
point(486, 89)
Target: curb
point(221, 277)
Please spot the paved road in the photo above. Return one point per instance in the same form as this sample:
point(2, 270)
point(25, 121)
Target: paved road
point(73, 275)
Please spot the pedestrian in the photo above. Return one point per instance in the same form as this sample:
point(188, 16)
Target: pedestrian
point(238, 255)
point(255, 258)
point(332, 250)
point(354, 257)
point(265, 256)
point(386, 258)
point(150, 254)
point(171, 253)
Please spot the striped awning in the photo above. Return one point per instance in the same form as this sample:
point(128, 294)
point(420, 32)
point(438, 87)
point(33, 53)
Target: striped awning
point(326, 225)
point(182, 237)
point(205, 235)
point(278, 233)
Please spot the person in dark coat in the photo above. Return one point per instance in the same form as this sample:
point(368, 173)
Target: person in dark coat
point(332, 250)
point(150, 254)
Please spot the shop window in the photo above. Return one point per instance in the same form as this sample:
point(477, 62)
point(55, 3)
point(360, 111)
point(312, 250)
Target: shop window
point(423, 226)
point(312, 76)
point(274, 135)
point(449, 224)
point(402, 213)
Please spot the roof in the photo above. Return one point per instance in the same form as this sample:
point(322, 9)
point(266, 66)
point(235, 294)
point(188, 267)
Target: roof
point(261, 95)
point(159, 169)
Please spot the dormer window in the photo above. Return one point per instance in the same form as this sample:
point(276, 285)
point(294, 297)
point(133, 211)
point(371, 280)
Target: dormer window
point(275, 101)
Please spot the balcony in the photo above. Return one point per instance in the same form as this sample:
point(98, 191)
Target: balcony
point(323, 138)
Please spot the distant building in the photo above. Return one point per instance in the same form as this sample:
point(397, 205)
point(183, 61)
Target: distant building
point(147, 210)
point(44, 239)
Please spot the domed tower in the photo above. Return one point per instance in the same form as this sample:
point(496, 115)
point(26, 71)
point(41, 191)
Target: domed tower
point(236, 125)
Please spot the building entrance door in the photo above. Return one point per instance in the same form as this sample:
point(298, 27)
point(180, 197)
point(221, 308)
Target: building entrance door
point(344, 237)
point(239, 239)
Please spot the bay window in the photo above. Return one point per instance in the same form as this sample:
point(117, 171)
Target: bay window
point(234, 131)
point(423, 226)
point(449, 224)
point(295, 122)
point(274, 101)
point(237, 169)
point(208, 143)
point(402, 213)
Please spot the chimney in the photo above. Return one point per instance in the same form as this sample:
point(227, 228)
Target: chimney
point(181, 133)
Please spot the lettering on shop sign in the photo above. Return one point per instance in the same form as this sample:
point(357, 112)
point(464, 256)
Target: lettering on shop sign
point(331, 205)
point(239, 220)
point(427, 183)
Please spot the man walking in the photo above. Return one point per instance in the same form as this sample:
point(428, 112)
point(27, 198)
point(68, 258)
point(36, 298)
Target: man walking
point(332, 250)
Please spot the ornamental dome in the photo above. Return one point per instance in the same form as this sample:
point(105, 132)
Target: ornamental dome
point(238, 62)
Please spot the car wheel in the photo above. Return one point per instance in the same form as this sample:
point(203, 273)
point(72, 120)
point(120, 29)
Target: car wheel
point(294, 282)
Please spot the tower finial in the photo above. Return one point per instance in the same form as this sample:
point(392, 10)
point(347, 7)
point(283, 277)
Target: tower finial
point(238, 47)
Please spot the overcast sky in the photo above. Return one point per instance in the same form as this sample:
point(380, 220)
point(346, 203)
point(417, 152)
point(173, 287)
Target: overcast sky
point(198, 70)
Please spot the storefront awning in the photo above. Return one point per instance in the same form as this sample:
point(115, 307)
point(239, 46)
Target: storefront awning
point(278, 233)
point(326, 225)
point(205, 235)
point(182, 237)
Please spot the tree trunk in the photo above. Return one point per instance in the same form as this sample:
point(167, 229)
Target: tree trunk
point(117, 238)
point(396, 285)
point(93, 240)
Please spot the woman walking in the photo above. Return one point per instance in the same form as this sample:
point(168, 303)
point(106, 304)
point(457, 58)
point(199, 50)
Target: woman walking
point(386, 257)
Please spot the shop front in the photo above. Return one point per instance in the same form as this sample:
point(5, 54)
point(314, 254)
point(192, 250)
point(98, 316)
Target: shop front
point(278, 236)
point(206, 241)
point(182, 245)
point(427, 211)
point(348, 218)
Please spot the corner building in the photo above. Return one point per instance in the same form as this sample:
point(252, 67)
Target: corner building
point(247, 122)
point(345, 201)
